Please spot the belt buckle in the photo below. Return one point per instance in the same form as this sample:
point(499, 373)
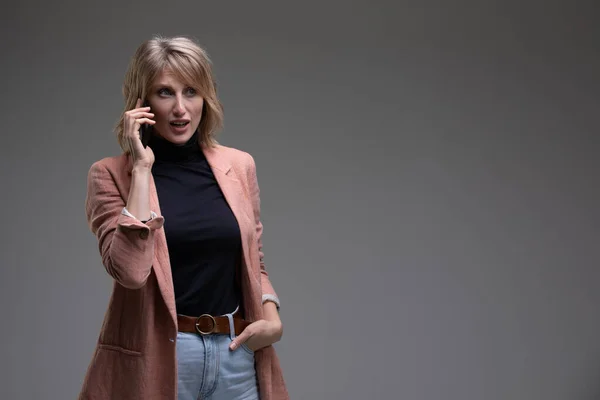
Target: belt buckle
point(214, 324)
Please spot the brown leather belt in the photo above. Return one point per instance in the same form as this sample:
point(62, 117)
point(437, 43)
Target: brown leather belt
point(207, 324)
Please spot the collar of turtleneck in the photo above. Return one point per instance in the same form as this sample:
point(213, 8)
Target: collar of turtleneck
point(168, 151)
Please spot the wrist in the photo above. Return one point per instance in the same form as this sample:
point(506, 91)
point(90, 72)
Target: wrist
point(270, 312)
point(142, 169)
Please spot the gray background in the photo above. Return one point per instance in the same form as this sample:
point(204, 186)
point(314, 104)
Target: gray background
point(429, 175)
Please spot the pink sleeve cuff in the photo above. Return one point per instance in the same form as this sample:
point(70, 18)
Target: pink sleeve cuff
point(272, 298)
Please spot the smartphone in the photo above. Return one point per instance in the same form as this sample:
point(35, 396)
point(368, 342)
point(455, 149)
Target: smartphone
point(145, 130)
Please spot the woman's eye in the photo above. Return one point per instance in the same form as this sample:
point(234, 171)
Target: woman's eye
point(168, 92)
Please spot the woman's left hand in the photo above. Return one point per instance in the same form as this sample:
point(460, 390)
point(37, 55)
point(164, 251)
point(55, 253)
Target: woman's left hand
point(259, 334)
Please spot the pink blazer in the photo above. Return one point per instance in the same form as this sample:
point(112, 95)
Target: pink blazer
point(135, 354)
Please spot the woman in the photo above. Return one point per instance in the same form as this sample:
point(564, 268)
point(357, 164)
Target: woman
point(192, 313)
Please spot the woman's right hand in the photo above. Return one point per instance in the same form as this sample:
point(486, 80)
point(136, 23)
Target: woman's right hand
point(132, 120)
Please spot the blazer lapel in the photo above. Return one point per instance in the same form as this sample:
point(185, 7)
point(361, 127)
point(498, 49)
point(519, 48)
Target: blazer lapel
point(162, 266)
point(162, 263)
point(235, 196)
point(230, 186)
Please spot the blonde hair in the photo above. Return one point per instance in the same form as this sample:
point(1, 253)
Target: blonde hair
point(190, 64)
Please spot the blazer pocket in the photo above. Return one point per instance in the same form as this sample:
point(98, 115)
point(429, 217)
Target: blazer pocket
point(112, 347)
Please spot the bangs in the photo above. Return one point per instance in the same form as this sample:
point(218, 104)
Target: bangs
point(186, 70)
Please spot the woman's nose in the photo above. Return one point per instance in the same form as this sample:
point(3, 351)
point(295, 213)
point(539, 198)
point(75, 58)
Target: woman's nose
point(178, 108)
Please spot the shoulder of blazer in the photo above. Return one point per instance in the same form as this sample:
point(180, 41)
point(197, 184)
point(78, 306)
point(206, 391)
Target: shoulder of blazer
point(115, 164)
point(237, 159)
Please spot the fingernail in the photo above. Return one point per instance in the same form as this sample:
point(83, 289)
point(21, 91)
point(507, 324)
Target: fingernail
point(232, 346)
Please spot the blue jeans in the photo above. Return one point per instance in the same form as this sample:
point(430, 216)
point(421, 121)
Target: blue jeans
point(208, 370)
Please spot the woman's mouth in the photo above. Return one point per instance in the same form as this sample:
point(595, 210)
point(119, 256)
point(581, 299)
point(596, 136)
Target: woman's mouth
point(180, 123)
point(179, 127)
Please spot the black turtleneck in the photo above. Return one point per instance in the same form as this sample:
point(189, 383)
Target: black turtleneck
point(203, 236)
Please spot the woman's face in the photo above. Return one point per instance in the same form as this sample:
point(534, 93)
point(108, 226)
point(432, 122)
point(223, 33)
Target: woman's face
point(177, 108)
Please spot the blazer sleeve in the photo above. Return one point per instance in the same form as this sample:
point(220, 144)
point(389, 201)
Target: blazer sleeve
point(125, 243)
point(269, 293)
